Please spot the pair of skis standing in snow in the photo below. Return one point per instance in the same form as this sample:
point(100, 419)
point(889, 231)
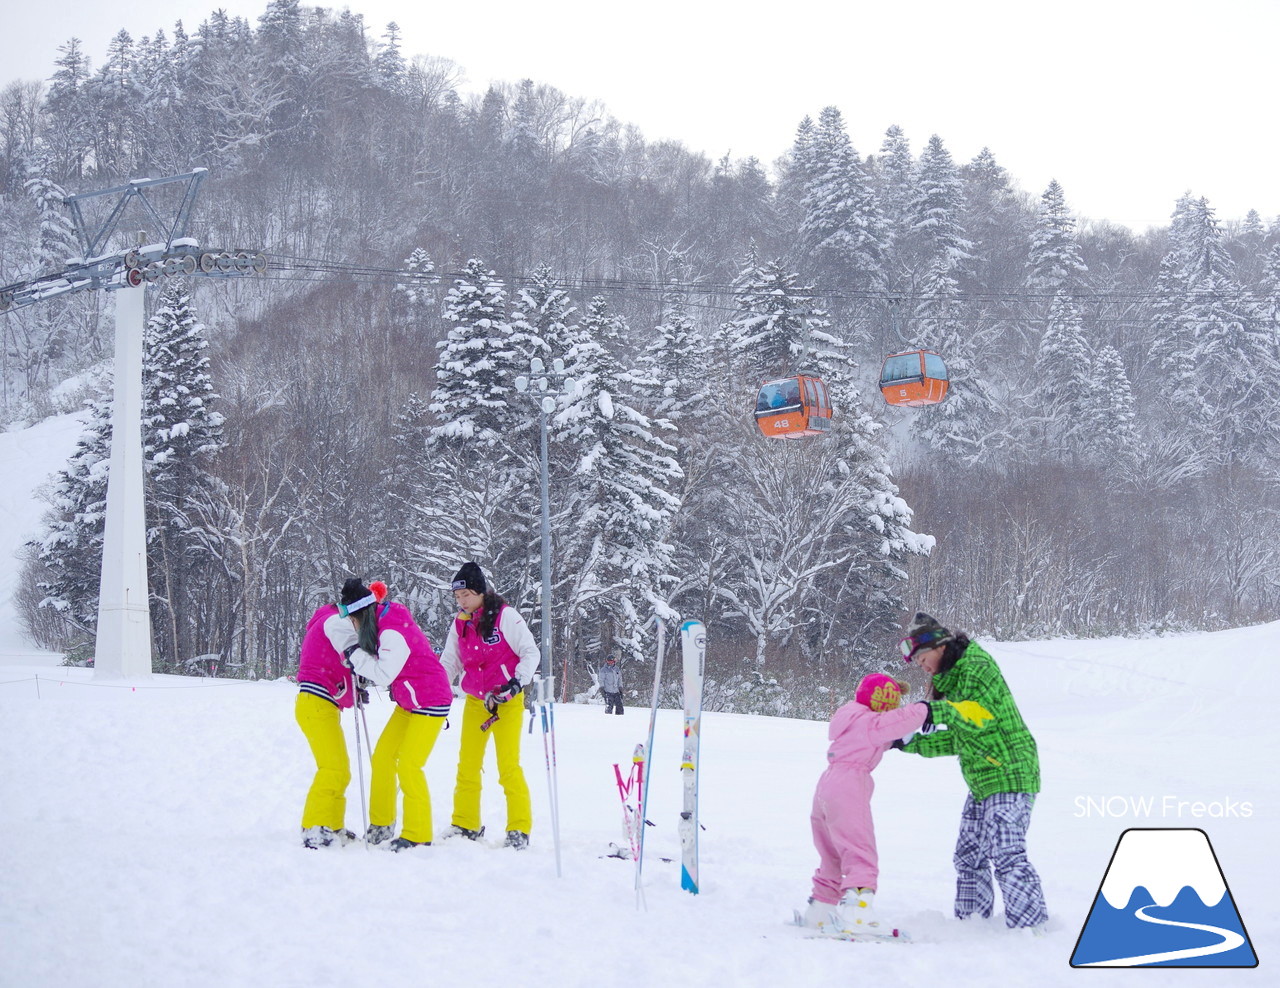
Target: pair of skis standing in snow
point(634, 790)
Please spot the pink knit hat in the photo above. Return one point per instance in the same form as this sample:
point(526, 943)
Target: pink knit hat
point(879, 692)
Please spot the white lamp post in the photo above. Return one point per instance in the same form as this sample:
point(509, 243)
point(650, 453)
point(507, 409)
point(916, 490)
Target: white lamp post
point(551, 384)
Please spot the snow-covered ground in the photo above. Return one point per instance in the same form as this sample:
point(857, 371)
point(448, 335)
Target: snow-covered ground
point(152, 833)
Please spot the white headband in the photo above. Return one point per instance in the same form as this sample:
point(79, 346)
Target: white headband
point(356, 605)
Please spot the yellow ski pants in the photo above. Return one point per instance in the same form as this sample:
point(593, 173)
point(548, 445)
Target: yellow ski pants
point(401, 752)
point(505, 732)
point(326, 804)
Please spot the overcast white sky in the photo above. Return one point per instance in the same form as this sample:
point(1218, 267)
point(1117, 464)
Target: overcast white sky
point(1128, 103)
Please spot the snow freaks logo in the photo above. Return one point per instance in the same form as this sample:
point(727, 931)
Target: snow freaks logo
point(1164, 902)
point(1164, 806)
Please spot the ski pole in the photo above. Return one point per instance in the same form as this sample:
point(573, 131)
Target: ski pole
point(644, 788)
point(555, 779)
point(545, 687)
point(368, 742)
point(364, 810)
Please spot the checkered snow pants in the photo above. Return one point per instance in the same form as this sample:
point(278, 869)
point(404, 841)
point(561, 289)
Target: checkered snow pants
point(992, 837)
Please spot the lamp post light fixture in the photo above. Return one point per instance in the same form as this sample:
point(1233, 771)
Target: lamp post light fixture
point(550, 384)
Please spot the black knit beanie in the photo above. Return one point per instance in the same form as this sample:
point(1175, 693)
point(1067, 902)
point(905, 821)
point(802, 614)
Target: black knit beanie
point(470, 578)
point(355, 596)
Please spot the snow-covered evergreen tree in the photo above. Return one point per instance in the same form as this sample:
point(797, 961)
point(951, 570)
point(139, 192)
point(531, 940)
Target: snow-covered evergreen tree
point(1220, 357)
point(71, 549)
point(1107, 434)
point(843, 225)
point(39, 337)
point(472, 503)
point(676, 361)
point(417, 288)
point(69, 106)
point(896, 172)
point(1056, 264)
point(936, 212)
point(389, 65)
point(779, 329)
point(1063, 376)
point(58, 241)
point(624, 481)
point(182, 429)
point(798, 171)
point(968, 424)
point(477, 365)
point(541, 319)
point(117, 100)
point(182, 434)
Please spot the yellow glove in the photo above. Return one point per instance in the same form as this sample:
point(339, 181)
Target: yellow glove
point(972, 712)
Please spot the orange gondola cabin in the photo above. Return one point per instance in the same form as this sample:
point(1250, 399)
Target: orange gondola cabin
point(793, 407)
point(914, 378)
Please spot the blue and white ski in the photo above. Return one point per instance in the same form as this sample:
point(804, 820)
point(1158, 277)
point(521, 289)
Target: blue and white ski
point(693, 647)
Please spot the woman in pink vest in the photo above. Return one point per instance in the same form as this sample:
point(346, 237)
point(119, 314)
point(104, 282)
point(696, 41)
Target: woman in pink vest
point(384, 644)
point(495, 653)
point(324, 690)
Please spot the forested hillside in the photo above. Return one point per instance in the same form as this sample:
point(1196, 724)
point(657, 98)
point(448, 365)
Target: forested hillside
point(1104, 463)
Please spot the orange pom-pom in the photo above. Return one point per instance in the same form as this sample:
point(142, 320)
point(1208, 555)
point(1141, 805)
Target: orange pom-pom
point(379, 590)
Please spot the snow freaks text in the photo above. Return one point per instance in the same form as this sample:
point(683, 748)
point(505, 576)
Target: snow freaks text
point(1168, 807)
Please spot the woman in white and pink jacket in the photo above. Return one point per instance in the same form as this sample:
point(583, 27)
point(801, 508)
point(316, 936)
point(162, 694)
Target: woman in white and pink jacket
point(383, 643)
point(491, 647)
point(325, 689)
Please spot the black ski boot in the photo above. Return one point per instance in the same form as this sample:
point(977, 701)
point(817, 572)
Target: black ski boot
point(516, 839)
point(456, 831)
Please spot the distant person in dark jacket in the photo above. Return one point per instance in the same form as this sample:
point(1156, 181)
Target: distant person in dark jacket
point(611, 686)
point(1000, 766)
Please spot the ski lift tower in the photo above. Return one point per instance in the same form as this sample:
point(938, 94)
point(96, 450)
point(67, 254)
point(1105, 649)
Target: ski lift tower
point(123, 644)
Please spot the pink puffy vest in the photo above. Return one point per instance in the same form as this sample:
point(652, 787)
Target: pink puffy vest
point(422, 682)
point(487, 664)
point(320, 665)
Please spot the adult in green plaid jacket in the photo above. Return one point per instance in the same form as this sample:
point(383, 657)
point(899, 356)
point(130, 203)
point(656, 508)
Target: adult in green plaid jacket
point(1000, 766)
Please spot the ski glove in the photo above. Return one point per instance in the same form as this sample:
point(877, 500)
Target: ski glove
point(362, 689)
point(972, 712)
point(502, 694)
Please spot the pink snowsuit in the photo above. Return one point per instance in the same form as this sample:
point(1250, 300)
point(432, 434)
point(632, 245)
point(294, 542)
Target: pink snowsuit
point(843, 831)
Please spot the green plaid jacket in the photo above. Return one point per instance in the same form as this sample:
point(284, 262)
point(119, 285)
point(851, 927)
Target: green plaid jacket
point(1000, 758)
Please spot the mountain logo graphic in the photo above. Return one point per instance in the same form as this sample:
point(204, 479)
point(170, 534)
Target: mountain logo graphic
point(1164, 902)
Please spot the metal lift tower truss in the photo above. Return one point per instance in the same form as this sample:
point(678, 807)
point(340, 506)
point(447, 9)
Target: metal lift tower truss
point(176, 254)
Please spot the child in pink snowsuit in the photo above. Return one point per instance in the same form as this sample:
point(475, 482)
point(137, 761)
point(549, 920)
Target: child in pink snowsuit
point(861, 732)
